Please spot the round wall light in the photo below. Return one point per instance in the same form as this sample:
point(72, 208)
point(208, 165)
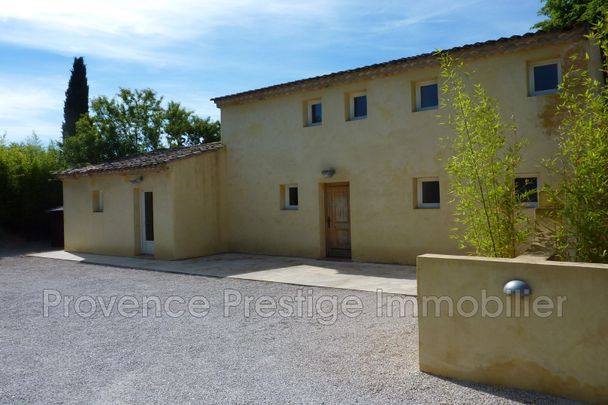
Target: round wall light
point(136, 180)
point(517, 287)
point(327, 173)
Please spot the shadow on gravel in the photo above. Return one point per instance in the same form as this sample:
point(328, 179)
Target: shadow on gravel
point(12, 248)
point(512, 394)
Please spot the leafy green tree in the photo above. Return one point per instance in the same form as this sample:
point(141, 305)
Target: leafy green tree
point(580, 197)
point(140, 118)
point(564, 14)
point(134, 122)
point(85, 146)
point(482, 168)
point(177, 124)
point(203, 130)
point(76, 98)
point(184, 128)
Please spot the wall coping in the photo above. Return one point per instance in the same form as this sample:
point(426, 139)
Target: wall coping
point(520, 259)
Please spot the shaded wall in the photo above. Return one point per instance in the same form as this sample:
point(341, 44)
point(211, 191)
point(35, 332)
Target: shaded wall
point(196, 191)
point(563, 355)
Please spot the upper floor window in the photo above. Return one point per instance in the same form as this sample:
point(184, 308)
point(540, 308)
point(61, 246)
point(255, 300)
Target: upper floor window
point(314, 114)
point(428, 192)
point(526, 189)
point(358, 106)
point(427, 96)
point(545, 77)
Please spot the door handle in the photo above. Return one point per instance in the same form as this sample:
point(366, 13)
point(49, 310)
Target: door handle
point(328, 221)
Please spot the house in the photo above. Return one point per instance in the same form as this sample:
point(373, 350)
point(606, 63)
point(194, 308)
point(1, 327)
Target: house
point(342, 165)
point(165, 203)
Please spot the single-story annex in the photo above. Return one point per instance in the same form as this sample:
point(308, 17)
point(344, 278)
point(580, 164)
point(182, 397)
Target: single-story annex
point(343, 165)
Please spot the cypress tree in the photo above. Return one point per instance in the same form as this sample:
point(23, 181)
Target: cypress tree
point(76, 98)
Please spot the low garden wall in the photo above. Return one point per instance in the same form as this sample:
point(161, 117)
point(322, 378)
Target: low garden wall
point(555, 340)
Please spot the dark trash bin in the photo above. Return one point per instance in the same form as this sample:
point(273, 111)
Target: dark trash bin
point(56, 226)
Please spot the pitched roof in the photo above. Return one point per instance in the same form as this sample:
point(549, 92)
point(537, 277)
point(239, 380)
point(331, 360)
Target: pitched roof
point(157, 158)
point(480, 49)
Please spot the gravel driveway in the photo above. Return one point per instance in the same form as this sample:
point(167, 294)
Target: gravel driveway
point(242, 358)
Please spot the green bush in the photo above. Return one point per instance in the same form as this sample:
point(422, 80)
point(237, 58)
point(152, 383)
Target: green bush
point(482, 168)
point(27, 186)
point(580, 197)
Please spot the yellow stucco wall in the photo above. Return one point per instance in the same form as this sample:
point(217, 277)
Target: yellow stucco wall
point(186, 204)
point(115, 231)
point(196, 192)
point(565, 355)
point(229, 200)
point(268, 145)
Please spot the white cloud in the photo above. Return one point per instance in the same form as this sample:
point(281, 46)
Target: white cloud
point(203, 48)
point(424, 12)
point(169, 32)
point(137, 30)
point(28, 105)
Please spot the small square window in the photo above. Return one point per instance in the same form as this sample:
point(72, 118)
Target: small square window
point(360, 103)
point(97, 201)
point(290, 197)
point(313, 113)
point(358, 106)
point(526, 189)
point(428, 192)
point(545, 78)
point(427, 96)
point(316, 113)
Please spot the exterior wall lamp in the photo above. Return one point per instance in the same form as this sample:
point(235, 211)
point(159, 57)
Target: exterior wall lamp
point(327, 173)
point(136, 180)
point(517, 287)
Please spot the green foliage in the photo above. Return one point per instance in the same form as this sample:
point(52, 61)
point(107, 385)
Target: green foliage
point(134, 122)
point(564, 14)
point(27, 186)
point(482, 168)
point(183, 128)
point(85, 146)
point(178, 124)
point(581, 195)
point(76, 98)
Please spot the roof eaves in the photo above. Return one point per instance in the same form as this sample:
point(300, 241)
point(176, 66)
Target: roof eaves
point(157, 160)
point(476, 50)
point(110, 171)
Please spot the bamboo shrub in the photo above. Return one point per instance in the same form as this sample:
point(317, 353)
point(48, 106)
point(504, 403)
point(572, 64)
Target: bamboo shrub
point(580, 196)
point(481, 166)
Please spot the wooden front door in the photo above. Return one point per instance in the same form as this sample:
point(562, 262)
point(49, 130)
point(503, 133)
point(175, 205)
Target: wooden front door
point(337, 220)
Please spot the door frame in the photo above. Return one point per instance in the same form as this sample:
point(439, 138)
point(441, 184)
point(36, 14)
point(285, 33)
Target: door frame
point(324, 211)
point(146, 246)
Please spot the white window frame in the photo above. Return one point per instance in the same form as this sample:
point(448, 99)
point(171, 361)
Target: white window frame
point(286, 203)
point(97, 205)
point(352, 105)
point(419, 95)
point(531, 67)
point(419, 182)
point(531, 204)
point(309, 105)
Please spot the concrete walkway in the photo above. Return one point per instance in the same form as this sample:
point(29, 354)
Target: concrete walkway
point(395, 279)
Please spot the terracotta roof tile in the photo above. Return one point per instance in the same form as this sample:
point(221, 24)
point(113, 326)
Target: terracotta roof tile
point(157, 158)
point(480, 49)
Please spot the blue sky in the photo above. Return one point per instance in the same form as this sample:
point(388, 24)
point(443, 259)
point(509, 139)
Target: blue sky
point(192, 50)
